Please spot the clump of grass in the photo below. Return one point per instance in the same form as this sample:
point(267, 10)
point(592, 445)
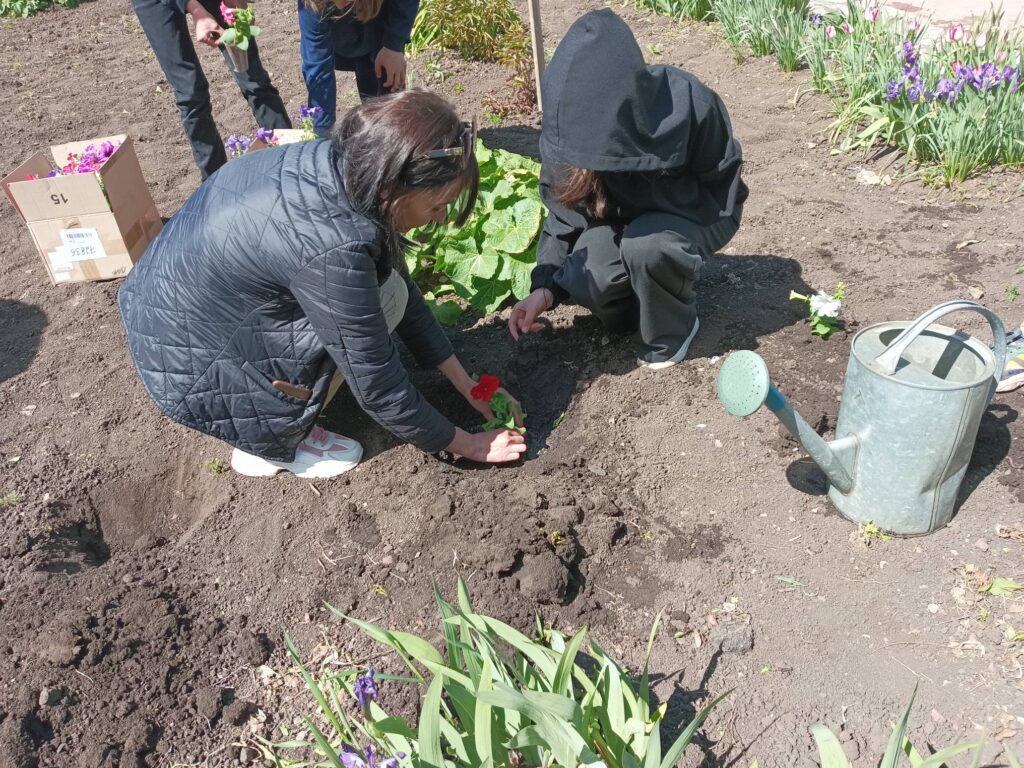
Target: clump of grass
point(789, 30)
point(870, 532)
point(831, 752)
point(699, 10)
point(731, 15)
point(11, 499)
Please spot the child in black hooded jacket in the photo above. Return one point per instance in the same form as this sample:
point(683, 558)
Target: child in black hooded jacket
point(641, 177)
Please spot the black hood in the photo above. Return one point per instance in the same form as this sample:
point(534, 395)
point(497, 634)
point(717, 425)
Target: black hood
point(606, 110)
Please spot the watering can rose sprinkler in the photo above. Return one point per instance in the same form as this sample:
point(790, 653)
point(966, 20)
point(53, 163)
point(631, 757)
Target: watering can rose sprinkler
point(912, 402)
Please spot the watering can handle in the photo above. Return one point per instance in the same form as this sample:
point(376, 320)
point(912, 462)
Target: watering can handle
point(890, 358)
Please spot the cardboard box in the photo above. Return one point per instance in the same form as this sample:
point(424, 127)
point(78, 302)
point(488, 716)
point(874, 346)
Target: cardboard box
point(86, 226)
point(283, 136)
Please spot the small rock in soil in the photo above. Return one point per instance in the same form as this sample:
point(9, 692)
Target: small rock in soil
point(49, 697)
point(244, 756)
point(981, 544)
point(402, 567)
point(737, 641)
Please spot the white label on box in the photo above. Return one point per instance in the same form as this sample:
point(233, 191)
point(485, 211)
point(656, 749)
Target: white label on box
point(82, 244)
point(59, 260)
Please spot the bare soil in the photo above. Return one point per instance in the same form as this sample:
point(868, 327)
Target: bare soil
point(143, 599)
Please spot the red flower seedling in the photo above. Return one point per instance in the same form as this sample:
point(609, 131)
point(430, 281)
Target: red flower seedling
point(501, 404)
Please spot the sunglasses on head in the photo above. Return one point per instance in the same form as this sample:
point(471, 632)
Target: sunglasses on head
point(467, 144)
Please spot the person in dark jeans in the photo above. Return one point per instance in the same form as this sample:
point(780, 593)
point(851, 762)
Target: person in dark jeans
point(366, 37)
point(640, 174)
point(164, 24)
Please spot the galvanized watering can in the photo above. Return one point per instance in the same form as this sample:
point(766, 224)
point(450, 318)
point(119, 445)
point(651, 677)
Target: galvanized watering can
point(912, 401)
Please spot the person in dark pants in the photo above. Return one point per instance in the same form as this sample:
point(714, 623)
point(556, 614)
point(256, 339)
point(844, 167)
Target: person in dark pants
point(366, 37)
point(641, 177)
point(164, 24)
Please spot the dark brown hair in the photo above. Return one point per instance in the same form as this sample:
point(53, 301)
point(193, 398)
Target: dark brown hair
point(382, 145)
point(583, 190)
point(362, 10)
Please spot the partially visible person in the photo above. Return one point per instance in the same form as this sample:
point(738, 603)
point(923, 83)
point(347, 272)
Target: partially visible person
point(641, 177)
point(283, 277)
point(366, 37)
point(164, 23)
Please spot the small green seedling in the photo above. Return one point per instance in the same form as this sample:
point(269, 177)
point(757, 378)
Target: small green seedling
point(871, 532)
point(217, 467)
point(557, 538)
point(1000, 587)
point(378, 590)
point(1012, 292)
point(11, 499)
point(655, 49)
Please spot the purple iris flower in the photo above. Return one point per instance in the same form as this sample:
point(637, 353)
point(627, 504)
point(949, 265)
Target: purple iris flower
point(366, 689)
point(816, 19)
point(369, 759)
point(946, 89)
point(266, 135)
point(893, 90)
point(909, 54)
point(309, 112)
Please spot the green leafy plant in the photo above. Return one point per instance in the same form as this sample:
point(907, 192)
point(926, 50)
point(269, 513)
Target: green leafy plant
point(1012, 292)
point(492, 256)
point(788, 30)
point(493, 698)
point(824, 310)
point(241, 29)
point(25, 8)
point(217, 467)
point(698, 10)
point(870, 532)
point(11, 499)
point(1000, 586)
point(831, 753)
point(502, 406)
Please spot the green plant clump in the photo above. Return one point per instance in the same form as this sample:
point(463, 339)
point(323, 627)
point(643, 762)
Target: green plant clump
point(831, 754)
point(493, 698)
point(491, 257)
point(25, 8)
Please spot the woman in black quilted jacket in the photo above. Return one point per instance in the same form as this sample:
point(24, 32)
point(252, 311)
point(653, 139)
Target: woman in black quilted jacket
point(282, 277)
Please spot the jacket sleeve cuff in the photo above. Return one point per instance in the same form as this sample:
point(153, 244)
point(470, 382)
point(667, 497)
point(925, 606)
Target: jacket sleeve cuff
point(394, 42)
point(437, 442)
point(543, 276)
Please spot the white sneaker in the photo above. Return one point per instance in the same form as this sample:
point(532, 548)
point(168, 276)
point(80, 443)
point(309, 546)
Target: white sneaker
point(678, 357)
point(321, 454)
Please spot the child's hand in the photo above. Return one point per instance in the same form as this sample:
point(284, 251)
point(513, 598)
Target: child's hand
point(524, 314)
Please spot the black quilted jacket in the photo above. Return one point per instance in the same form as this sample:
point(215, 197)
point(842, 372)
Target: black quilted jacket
point(267, 274)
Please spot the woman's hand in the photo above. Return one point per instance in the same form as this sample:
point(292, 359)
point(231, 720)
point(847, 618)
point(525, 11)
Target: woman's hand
point(208, 30)
point(525, 313)
point(495, 447)
point(393, 63)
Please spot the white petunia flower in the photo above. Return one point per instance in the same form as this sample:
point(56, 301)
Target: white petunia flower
point(824, 305)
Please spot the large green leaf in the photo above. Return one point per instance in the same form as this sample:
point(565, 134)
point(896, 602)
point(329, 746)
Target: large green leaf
point(489, 293)
point(513, 229)
point(893, 749)
point(676, 750)
point(429, 741)
point(830, 751)
point(563, 675)
point(519, 274)
point(464, 261)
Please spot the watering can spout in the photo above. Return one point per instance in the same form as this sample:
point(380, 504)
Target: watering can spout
point(744, 386)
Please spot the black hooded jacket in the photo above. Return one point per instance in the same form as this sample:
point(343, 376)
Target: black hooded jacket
point(266, 273)
point(606, 110)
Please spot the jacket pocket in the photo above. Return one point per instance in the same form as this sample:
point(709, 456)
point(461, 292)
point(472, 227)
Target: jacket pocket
point(268, 387)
